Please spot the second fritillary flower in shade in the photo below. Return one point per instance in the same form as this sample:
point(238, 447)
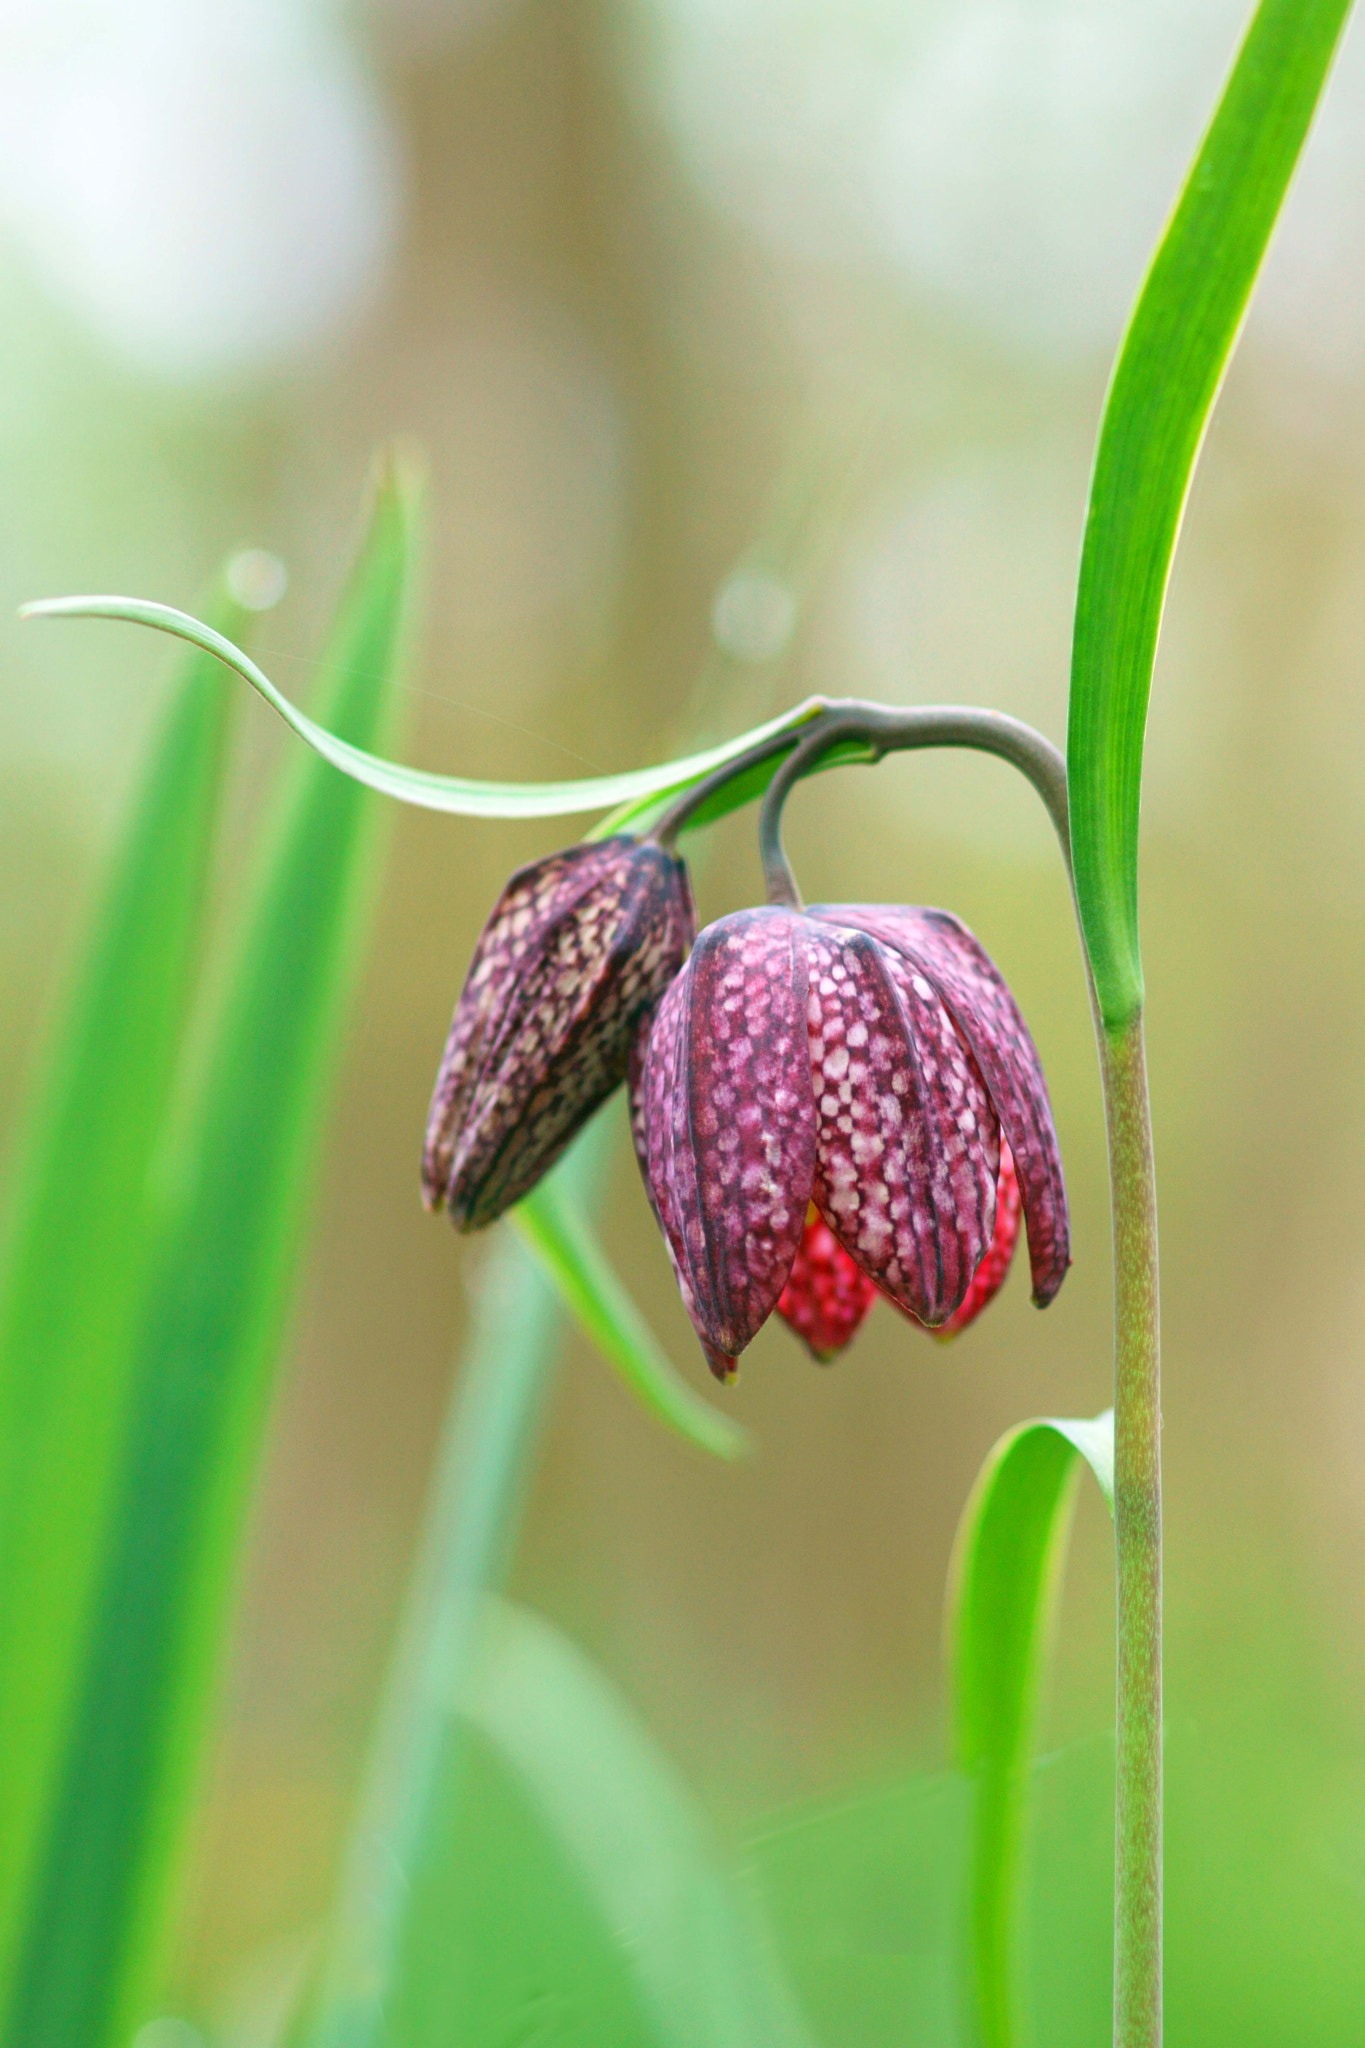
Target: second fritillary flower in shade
point(575, 955)
point(866, 1059)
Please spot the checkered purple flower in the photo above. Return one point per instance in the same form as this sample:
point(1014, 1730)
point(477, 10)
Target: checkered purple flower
point(863, 1057)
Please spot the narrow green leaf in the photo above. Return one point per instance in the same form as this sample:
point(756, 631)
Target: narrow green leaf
point(77, 1235)
point(636, 1855)
point(208, 1337)
point(1171, 363)
point(1004, 1585)
point(455, 793)
point(558, 1232)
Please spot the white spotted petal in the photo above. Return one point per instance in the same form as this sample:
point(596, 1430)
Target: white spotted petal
point(939, 948)
point(908, 1147)
point(577, 951)
point(866, 1059)
point(729, 1123)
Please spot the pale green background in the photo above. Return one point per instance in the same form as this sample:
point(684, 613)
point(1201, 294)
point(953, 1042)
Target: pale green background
point(716, 318)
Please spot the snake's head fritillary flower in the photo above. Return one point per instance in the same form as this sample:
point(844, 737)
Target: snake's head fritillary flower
point(577, 952)
point(865, 1058)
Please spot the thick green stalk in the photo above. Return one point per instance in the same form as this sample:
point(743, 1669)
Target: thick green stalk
point(1137, 1518)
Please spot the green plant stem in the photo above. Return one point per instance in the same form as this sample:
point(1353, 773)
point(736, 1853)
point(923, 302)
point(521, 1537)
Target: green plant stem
point(1137, 1521)
point(847, 731)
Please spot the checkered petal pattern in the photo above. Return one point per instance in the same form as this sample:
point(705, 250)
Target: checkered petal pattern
point(863, 1060)
point(937, 947)
point(575, 956)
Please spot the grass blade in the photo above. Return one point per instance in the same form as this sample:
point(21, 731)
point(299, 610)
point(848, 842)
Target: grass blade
point(556, 1229)
point(453, 793)
point(864, 1891)
point(1002, 1604)
point(468, 1527)
point(398, 1872)
point(636, 1855)
point(1179, 340)
point(207, 1341)
point(77, 1236)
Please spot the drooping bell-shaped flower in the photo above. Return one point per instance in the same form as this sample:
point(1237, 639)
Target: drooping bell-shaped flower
point(576, 954)
point(863, 1058)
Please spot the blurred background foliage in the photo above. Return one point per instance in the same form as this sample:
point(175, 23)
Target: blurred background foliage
point(766, 342)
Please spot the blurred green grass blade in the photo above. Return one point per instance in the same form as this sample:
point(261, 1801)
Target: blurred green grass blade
point(453, 793)
point(637, 1859)
point(1171, 363)
point(865, 1893)
point(208, 1338)
point(474, 1503)
point(398, 1870)
point(558, 1232)
point(1004, 1586)
point(77, 1234)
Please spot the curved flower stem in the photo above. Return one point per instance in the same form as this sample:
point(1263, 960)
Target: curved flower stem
point(683, 810)
point(863, 732)
point(885, 730)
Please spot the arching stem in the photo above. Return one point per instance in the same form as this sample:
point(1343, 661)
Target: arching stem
point(881, 729)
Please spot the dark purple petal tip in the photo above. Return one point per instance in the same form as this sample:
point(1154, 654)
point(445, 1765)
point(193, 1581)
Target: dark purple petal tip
point(577, 952)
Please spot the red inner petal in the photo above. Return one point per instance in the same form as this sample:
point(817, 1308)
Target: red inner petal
point(827, 1298)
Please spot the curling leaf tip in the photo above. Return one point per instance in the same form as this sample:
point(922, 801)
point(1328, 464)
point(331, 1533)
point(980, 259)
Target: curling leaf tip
point(455, 794)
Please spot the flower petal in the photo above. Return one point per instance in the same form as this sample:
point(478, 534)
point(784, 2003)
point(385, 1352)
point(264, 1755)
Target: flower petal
point(990, 1275)
point(722, 1365)
point(988, 1019)
point(730, 1123)
point(528, 905)
point(907, 1142)
point(670, 1184)
point(827, 1297)
point(578, 948)
point(635, 1095)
